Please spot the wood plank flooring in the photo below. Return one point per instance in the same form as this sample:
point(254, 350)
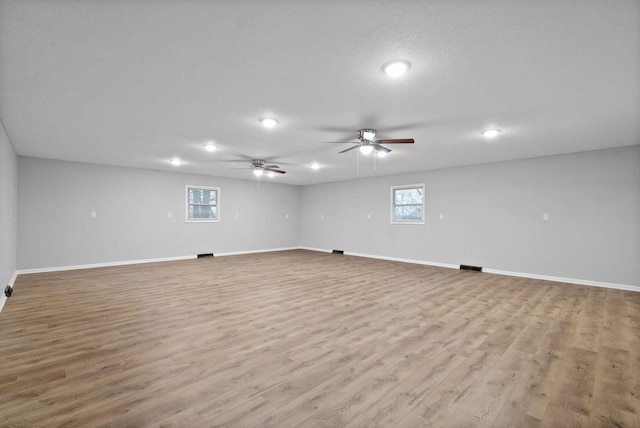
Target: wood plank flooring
point(308, 339)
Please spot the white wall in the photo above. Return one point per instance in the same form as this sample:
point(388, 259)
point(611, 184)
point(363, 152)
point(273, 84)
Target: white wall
point(493, 216)
point(8, 212)
point(132, 223)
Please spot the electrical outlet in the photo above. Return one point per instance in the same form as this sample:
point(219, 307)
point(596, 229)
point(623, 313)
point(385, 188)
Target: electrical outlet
point(93, 214)
point(169, 215)
point(545, 216)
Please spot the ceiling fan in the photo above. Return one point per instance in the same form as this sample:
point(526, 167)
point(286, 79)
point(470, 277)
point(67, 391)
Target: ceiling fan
point(258, 166)
point(367, 142)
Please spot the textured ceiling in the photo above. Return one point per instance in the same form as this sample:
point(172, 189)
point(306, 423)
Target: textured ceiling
point(135, 83)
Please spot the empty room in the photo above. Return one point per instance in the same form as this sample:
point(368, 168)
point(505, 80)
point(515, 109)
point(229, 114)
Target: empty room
point(361, 213)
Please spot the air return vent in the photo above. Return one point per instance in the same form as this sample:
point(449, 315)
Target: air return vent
point(337, 252)
point(473, 268)
point(200, 256)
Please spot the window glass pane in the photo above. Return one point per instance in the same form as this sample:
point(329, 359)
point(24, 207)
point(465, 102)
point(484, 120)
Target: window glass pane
point(194, 196)
point(198, 196)
point(202, 204)
point(202, 211)
point(408, 196)
point(210, 196)
point(408, 213)
point(407, 204)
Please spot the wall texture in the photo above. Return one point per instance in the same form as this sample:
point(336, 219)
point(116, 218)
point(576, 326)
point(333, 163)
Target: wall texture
point(8, 211)
point(132, 207)
point(493, 216)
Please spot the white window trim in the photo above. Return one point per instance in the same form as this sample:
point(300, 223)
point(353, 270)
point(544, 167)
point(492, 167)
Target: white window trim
point(407, 186)
point(186, 205)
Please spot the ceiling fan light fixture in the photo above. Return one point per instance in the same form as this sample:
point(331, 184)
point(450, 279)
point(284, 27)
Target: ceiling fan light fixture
point(368, 134)
point(210, 147)
point(381, 153)
point(175, 162)
point(396, 68)
point(268, 122)
point(315, 165)
point(366, 149)
point(257, 171)
point(491, 133)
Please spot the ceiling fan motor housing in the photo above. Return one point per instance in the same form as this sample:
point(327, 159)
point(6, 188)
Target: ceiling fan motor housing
point(367, 134)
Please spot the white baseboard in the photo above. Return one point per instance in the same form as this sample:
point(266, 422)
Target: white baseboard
point(400, 259)
point(495, 271)
point(393, 259)
point(565, 280)
point(3, 298)
point(99, 265)
point(320, 250)
point(136, 262)
point(268, 250)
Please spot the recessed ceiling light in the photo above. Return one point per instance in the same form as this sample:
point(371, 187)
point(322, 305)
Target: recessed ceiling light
point(491, 133)
point(175, 161)
point(268, 122)
point(315, 165)
point(210, 147)
point(396, 68)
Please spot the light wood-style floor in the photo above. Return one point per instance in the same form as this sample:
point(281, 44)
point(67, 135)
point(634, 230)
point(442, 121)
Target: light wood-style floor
point(308, 339)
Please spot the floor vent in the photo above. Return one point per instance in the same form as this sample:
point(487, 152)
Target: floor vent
point(337, 252)
point(200, 256)
point(8, 291)
point(473, 268)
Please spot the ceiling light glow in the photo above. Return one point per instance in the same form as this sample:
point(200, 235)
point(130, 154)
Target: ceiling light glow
point(315, 165)
point(271, 174)
point(175, 161)
point(366, 149)
point(257, 172)
point(210, 147)
point(491, 133)
point(268, 122)
point(382, 153)
point(396, 68)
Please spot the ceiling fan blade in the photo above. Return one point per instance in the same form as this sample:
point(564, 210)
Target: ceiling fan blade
point(271, 166)
point(350, 148)
point(279, 171)
point(380, 148)
point(396, 141)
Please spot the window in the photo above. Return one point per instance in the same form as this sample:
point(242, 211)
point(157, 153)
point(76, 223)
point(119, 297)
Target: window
point(407, 204)
point(203, 204)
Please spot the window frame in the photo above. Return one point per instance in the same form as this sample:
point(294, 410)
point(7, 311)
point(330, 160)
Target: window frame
point(188, 219)
point(420, 186)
